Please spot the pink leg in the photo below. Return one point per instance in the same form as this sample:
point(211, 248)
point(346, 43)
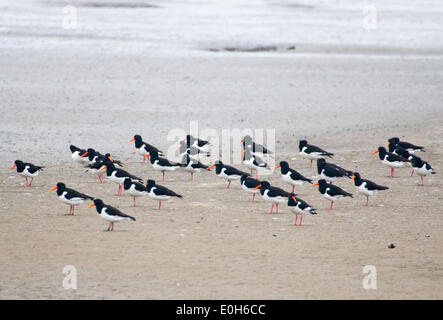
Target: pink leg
point(293, 189)
point(367, 200)
point(392, 172)
point(159, 205)
point(73, 208)
point(412, 173)
point(100, 177)
point(120, 188)
point(27, 183)
point(30, 183)
point(295, 223)
point(422, 181)
point(332, 204)
point(163, 176)
point(301, 219)
point(272, 208)
point(277, 208)
point(134, 201)
point(310, 165)
point(192, 176)
point(253, 197)
point(229, 183)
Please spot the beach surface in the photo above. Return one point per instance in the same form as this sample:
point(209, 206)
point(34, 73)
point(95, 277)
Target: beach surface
point(97, 87)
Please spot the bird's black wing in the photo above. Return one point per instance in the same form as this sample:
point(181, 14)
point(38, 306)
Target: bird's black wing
point(336, 191)
point(295, 175)
point(71, 193)
point(124, 174)
point(33, 168)
point(373, 186)
point(310, 148)
point(115, 212)
point(160, 190)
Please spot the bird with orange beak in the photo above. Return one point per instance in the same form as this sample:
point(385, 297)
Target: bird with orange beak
point(390, 159)
point(70, 196)
point(299, 207)
point(109, 213)
point(331, 191)
point(27, 170)
point(226, 172)
point(144, 148)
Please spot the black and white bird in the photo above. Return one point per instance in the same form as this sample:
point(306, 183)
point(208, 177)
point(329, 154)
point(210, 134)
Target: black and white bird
point(95, 156)
point(253, 162)
point(226, 172)
point(109, 213)
point(422, 168)
point(117, 175)
point(160, 193)
point(411, 148)
point(76, 153)
point(405, 154)
point(272, 194)
point(70, 196)
point(311, 152)
point(366, 187)
point(95, 167)
point(195, 152)
point(255, 147)
point(27, 170)
point(144, 148)
point(330, 171)
point(249, 184)
point(291, 176)
point(163, 164)
point(192, 165)
point(299, 207)
point(201, 144)
point(331, 192)
point(134, 188)
point(390, 159)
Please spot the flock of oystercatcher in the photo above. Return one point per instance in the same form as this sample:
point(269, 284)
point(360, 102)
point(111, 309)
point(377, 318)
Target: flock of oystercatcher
point(399, 154)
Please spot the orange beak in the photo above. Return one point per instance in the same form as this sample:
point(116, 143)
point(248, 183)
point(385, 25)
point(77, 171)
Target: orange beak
point(242, 140)
point(353, 178)
point(315, 184)
point(210, 167)
point(257, 187)
point(374, 153)
point(13, 166)
point(243, 152)
point(293, 198)
point(101, 169)
point(55, 188)
point(109, 157)
point(91, 205)
point(388, 144)
point(84, 154)
point(131, 140)
point(277, 167)
point(146, 155)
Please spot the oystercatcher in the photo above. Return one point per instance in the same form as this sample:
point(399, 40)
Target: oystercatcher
point(331, 171)
point(255, 147)
point(272, 194)
point(312, 152)
point(226, 172)
point(192, 165)
point(403, 153)
point(252, 161)
point(298, 206)
point(395, 142)
point(249, 184)
point(144, 148)
point(421, 167)
point(109, 213)
point(191, 150)
point(134, 188)
point(163, 164)
point(94, 156)
point(159, 192)
point(331, 192)
point(291, 176)
point(390, 159)
point(117, 175)
point(76, 154)
point(204, 145)
point(95, 167)
point(70, 196)
point(27, 170)
point(366, 187)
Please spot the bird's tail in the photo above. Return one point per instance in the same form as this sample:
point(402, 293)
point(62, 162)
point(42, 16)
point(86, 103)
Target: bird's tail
point(132, 218)
point(313, 211)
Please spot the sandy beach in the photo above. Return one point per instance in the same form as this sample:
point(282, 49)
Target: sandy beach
point(58, 90)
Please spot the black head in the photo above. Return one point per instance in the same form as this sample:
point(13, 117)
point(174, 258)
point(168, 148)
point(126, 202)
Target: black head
point(302, 143)
point(137, 138)
point(150, 183)
point(322, 182)
point(321, 163)
point(356, 177)
point(284, 165)
point(218, 163)
point(382, 150)
point(244, 176)
point(265, 184)
point(19, 164)
point(61, 186)
point(127, 183)
point(73, 148)
point(292, 201)
point(99, 204)
point(394, 140)
point(247, 139)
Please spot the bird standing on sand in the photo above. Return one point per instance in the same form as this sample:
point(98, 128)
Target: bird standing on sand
point(95, 168)
point(159, 192)
point(331, 192)
point(134, 188)
point(144, 148)
point(255, 147)
point(395, 142)
point(226, 172)
point(192, 165)
point(252, 161)
point(272, 194)
point(117, 175)
point(163, 164)
point(405, 154)
point(311, 152)
point(70, 196)
point(195, 152)
point(291, 176)
point(366, 187)
point(390, 159)
point(298, 206)
point(109, 213)
point(27, 170)
point(422, 168)
point(331, 171)
point(249, 185)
